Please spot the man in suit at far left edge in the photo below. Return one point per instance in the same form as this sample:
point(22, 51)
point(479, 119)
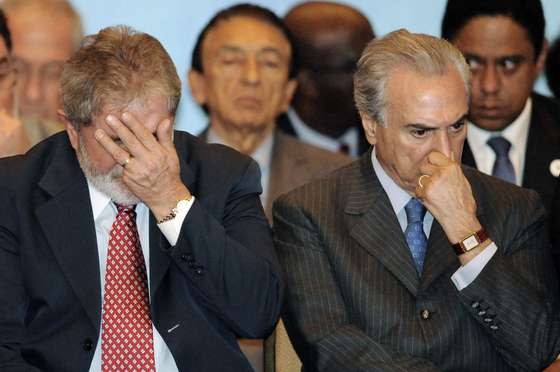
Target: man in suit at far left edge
point(125, 246)
point(405, 260)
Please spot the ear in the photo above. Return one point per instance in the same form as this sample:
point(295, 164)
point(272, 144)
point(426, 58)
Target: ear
point(197, 84)
point(70, 130)
point(541, 59)
point(370, 127)
point(289, 91)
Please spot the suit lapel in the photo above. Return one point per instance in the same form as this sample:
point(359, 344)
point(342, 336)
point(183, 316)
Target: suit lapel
point(67, 222)
point(439, 256)
point(375, 227)
point(467, 157)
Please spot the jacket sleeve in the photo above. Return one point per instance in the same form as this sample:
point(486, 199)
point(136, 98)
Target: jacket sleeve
point(230, 262)
point(515, 297)
point(13, 300)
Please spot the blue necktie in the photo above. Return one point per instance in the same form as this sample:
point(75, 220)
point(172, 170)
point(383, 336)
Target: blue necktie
point(502, 166)
point(414, 233)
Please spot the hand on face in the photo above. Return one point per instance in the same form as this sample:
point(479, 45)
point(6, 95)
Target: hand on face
point(448, 196)
point(13, 139)
point(151, 165)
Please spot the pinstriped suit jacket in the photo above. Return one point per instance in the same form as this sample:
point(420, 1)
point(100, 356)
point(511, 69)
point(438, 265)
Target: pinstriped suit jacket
point(355, 301)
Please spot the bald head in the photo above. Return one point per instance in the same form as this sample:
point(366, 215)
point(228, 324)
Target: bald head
point(322, 30)
point(45, 33)
point(329, 39)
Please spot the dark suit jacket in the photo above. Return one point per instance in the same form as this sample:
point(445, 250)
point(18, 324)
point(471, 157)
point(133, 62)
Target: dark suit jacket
point(221, 280)
point(355, 302)
point(543, 146)
point(286, 126)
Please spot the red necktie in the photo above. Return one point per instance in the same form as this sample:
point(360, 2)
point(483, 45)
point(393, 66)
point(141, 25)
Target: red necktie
point(127, 339)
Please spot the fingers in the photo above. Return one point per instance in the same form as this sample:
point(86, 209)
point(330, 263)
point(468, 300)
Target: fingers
point(164, 133)
point(120, 155)
point(142, 133)
point(438, 159)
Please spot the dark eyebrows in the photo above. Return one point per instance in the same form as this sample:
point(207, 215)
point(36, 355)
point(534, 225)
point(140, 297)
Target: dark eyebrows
point(235, 49)
point(422, 126)
point(462, 119)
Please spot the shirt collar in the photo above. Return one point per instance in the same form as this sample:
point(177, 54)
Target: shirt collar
point(397, 196)
point(309, 135)
point(516, 133)
point(99, 201)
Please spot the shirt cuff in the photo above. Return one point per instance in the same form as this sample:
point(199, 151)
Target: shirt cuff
point(465, 275)
point(172, 228)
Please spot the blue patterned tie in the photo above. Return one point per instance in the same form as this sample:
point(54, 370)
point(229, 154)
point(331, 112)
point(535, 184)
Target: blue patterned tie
point(502, 166)
point(414, 233)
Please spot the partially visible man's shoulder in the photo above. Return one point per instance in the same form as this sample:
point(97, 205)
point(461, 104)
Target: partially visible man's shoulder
point(27, 167)
point(499, 195)
point(549, 103)
point(215, 166)
point(197, 152)
point(547, 112)
point(318, 156)
point(330, 189)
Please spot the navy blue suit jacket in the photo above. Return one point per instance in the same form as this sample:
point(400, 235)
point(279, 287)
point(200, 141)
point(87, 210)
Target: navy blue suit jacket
point(220, 281)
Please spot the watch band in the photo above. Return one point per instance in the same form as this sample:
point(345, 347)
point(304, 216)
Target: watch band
point(174, 211)
point(470, 242)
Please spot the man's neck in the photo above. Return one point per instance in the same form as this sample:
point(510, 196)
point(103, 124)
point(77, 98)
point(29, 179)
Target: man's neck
point(245, 141)
point(316, 120)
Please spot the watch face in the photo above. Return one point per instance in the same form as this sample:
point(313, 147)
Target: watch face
point(470, 243)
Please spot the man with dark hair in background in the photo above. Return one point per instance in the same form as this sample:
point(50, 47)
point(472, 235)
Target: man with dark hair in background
point(13, 139)
point(514, 133)
point(243, 75)
point(329, 39)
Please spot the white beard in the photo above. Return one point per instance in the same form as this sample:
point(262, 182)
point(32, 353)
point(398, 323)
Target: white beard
point(109, 183)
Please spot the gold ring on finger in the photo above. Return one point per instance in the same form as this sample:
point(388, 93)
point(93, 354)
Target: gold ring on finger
point(420, 180)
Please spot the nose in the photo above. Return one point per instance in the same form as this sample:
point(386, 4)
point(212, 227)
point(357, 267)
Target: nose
point(490, 80)
point(251, 73)
point(444, 144)
point(31, 86)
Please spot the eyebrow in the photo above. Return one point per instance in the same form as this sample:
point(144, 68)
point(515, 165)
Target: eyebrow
point(429, 127)
point(516, 57)
point(236, 49)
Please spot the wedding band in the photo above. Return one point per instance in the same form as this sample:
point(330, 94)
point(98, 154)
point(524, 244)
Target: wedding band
point(126, 161)
point(420, 180)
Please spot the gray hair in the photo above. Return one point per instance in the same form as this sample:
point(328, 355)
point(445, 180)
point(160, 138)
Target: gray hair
point(114, 67)
point(425, 54)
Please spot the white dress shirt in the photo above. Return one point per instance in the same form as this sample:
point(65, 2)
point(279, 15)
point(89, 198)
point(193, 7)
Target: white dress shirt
point(104, 214)
point(309, 135)
point(262, 155)
point(516, 133)
point(399, 198)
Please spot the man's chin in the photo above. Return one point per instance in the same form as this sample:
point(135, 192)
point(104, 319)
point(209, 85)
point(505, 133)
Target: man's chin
point(109, 183)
